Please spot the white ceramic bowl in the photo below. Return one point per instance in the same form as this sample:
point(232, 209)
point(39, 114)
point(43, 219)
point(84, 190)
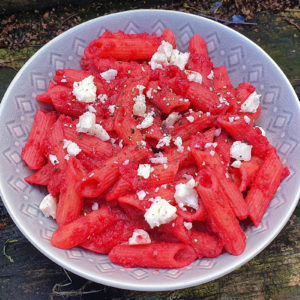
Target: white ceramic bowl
point(245, 62)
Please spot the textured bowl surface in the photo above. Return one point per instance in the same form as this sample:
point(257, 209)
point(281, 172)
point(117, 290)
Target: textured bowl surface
point(245, 62)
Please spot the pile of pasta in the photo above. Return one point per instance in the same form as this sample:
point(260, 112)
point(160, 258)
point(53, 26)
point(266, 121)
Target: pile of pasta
point(150, 155)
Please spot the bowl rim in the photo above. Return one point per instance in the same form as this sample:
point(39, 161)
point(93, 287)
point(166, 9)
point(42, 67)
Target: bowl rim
point(141, 285)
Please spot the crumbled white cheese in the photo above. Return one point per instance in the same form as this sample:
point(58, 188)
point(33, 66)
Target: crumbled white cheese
point(166, 55)
point(179, 59)
point(144, 170)
point(126, 162)
point(139, 107)
point(218, 131)
point(72, 148)
point(159, 159)
point(48, 206)
point(231, 119)
point(147, 122)
point(140, 88)
point(53, 158)
point(109, 75)
point(178, 143)
point(160, 212)
point(166, 48)
point(193, 76)
point(191, 119)
point(236, 164)
point(95, 206)
point(247, 119)
point(187, 176)
point(121, 143)
point(263, 133)
point(141, 194)
point(149, 93)
point(240, 151)
point(103, 98)
point(85, 90)
point(223, 100)
point(207, 114)
point(139, 237)
point(87, 124)
point(188, 225)
point(161, 57)
point(165, 141)
point(251, 104)
point(186, 195)
point(91, 109)
point(208, 145)
point(211, 75)
point(111, 109)
point(172, 119)
point(212, 152)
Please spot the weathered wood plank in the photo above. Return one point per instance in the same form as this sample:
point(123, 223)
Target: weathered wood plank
point(273, 274)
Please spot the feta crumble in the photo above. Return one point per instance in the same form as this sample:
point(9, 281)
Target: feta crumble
point(247, 119)
point(91, 109)
point(178, 143)
point(186, 195)
point(139, 107)
point(236, 164)
point(141, 194)
point(240, 151)
point(165, 141)
point(188, 225)
point(72, 148)
point(103, 98)
point(111, 109)
point(159, 159)
point(53, 159)
point(147, 122)
point(179, 59)
point(251, 104)
point(166, 55)
point(144, 170)
point(191, 119)
point(218, 131)
point(208, 145)
point(95, 206)
point(85, 90)
point(263, 132)
point(87, 124)
point(172, 119)
point(139, 237)
point(109, 75)
point(160, 212)
point(211, 75)
point(149, 93)
point(48, 206)
point(162, 56)
point(126, 162)
point(193, 76)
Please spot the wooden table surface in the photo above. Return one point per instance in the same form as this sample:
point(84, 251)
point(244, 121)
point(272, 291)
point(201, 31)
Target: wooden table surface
point(273, 274)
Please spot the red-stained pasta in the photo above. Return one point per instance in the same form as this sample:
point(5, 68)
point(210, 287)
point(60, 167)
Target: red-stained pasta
point(219, 211)
point(140, 157)
point(264, 186)
point(79, 230)
point(162, 255)
point(33, 152)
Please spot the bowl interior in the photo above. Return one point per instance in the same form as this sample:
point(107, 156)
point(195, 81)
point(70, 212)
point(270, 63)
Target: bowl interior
point(245, 62)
